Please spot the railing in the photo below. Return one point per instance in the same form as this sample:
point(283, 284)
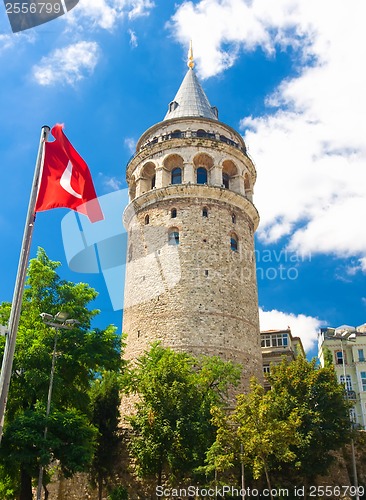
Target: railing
point(191, 134)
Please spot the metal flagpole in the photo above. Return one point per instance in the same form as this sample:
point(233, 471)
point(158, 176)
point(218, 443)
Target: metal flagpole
point(8, 357)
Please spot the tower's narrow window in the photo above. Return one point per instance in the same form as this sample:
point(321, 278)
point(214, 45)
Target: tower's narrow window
point(176, 176)
point(153, 181)
point(225, 180)
point(147, 220)
point(205, 212)
point(234, 242)
point(233, 218)
point(201, 175)
point(173, 106)
point(173, 236)
point(173, 213)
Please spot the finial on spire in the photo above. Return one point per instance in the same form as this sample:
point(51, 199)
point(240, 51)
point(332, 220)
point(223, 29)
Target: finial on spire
point(190, 62)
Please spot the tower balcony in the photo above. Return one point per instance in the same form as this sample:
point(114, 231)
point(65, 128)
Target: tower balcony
point(196, 135)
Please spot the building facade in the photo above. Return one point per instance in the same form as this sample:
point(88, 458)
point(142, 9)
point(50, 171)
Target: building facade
point(345, 346)
point(277, 345)
point(190, 274)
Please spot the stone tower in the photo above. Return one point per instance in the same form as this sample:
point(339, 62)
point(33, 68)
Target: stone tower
point(190, 275)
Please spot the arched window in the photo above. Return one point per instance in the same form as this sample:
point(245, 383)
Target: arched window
point(147, 219)
point(173, 213)
point(176, 176)
point(177, 134)
point(201, 175)
point(234, 243)
point(233, 218)
point(225, 180)
point(173, 236)
point(205, 212)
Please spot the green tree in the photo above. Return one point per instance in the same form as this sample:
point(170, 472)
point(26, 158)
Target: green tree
point(323, 411)
point(172, 425)
point(105, 402)
point(287, 433)
point(258, 425)
point(82, 354)
point(264, 431)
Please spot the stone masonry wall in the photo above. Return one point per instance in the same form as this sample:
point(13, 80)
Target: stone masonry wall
point(199, 296)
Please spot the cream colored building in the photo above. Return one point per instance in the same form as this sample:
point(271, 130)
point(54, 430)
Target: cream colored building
point(347, 347)
point(190, 274)
point(276, 345)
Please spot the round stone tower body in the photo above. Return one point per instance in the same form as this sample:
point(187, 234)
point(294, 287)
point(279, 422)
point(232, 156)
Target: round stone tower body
point(190, 275)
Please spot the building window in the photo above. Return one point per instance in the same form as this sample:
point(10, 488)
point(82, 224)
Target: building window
point(266, 369)
point(173, 236)
point(234, 243)
point(361, 356)
point(201, 175)
point(348, 382)
point(173, 213)
point(280, 340)
point(233, 218)
point(225, 180)
point(147, 219)
point(176, 176)
point(266, 341)
point(153, 181)
point(363, 380)
point(339, 358)
point(352, 415)
point(177, 134)
point(204, 212)
point(274, 340)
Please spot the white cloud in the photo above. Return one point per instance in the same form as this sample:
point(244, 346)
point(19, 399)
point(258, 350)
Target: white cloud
point(133, 39)
point(67, 65)
point(106, 13)
point(363, 264)
point(309, 147)
point(6, 41)
point(130, 144)
point(9, 41)
point(221, 29)
point(305, 327)
point(110, 182)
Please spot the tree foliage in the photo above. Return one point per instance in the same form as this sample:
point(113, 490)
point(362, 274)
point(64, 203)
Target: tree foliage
point(265, 432)
point(322, 409)
point(82, 354)
point(105, 401)
point(287, 433)
point(172, 425)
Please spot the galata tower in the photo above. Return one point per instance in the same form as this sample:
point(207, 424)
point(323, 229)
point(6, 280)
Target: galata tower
point(190, 274)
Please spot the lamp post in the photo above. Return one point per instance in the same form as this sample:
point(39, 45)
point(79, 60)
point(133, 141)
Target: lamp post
point(348, 335)
point(59, 321)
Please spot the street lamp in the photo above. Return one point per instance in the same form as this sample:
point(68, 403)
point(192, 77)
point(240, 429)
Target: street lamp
point(59, 321)
point(348, 334)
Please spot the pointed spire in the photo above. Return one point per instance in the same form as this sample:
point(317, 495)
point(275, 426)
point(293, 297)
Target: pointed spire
point(191, 99)
point(190, 62)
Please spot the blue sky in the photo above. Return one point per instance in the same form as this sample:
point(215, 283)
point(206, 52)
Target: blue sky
point(287, 74)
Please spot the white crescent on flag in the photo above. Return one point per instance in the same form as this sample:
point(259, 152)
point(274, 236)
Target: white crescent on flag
point(65, 181)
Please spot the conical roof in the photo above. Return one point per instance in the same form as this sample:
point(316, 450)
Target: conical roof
point(191, 100)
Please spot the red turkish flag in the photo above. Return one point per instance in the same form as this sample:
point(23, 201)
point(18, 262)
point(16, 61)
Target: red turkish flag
point(66, 181)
